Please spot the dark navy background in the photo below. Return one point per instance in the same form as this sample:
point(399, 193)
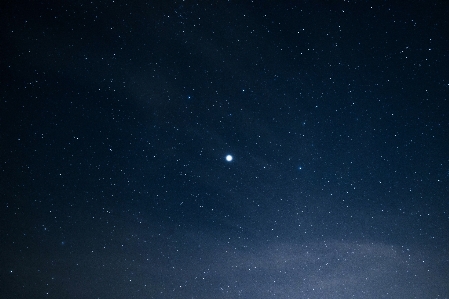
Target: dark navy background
point(116, 118)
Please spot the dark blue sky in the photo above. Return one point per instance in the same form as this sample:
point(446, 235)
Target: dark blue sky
point(116, 120)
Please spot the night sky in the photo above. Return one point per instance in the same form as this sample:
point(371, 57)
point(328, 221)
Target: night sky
point(116, 119)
